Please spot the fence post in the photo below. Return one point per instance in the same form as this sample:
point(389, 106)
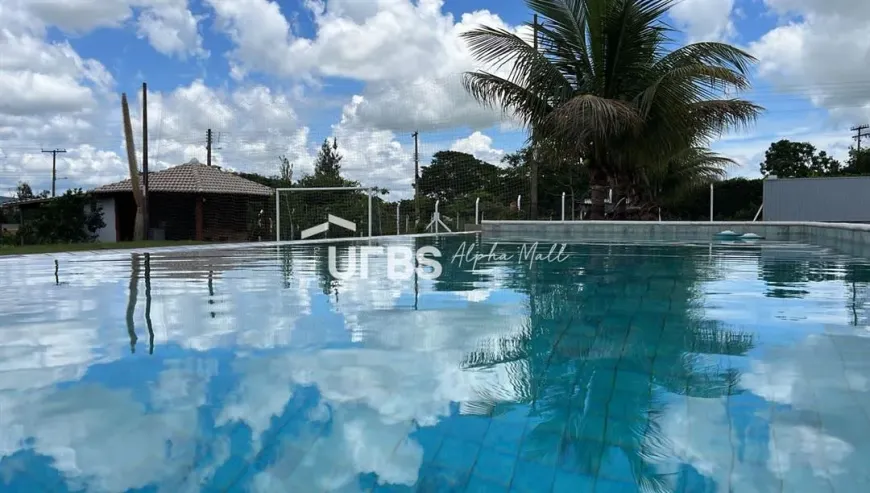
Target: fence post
point(711, 202)
point(563, 206)
point(370, 212)
point(520, 204)
point(437, 216)
point(477, 211)
point(278, 215)
point(398, 218)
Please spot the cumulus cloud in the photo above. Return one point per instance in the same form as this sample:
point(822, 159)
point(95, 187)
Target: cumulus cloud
point(409, 54)
point(820, 50)
point(53, 97)
point(171, 28)
point(169, 25)
point(479, 146)
point(705, 20)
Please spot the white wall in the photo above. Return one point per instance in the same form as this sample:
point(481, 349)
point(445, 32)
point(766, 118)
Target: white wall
point(108, 233)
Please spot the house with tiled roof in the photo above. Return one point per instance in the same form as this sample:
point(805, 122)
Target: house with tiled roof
point(192, 201)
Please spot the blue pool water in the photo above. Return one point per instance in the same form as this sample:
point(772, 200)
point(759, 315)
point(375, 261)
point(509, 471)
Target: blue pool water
point(618, 368)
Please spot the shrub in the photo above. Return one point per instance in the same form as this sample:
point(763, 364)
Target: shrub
point(74, 217)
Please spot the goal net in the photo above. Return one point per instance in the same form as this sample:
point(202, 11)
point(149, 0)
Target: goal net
point(327, 212)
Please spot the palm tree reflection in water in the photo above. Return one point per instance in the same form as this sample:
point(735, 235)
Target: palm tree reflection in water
point(615, 334)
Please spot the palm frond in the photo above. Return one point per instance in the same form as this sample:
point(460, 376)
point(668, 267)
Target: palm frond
point(497, 49)
point(707, 53)
point(493, 91)
point(588, 116)
point(718, 116)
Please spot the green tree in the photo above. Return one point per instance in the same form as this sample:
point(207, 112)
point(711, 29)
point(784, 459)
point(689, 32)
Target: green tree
point(285, 170)
point(858, 163)
point(328, 161)
point(327, 169)
point(73, 217)
point(604, 89)
point(556, 174)
point(25, 192)
point(453, 174)
point(787, 159)
point(283, 179)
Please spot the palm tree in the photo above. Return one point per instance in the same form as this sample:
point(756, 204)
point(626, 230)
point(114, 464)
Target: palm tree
point(604, 88)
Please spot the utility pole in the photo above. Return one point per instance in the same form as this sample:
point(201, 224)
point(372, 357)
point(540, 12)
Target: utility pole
point(145, 214)
point(208, 147)
point(533, 178)
point(54, 166)
point(416, 136)
point(860, 135)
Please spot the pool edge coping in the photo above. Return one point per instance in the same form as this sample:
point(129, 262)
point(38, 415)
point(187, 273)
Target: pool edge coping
point(219, 246)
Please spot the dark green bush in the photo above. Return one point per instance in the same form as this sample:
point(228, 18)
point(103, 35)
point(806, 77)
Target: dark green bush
point(73, 217)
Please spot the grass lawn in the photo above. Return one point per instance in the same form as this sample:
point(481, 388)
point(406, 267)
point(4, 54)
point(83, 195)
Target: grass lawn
point(77, 247)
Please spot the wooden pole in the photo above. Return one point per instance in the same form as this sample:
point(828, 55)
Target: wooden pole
point(139, 224)
point(146, 199)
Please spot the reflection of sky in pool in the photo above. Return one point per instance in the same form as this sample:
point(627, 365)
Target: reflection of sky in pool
point(625, 368)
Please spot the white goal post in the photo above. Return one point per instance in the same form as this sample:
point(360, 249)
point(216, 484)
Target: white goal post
point(370, 190)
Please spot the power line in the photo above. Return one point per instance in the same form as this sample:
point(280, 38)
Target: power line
point(859, 135)
point(54, 166)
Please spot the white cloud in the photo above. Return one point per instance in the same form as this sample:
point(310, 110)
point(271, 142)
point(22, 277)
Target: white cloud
point(80, 15)
point(705, 20)
point(171, 28)
point(479, 146)
point(410, 55)
point(168, 25)
point(823, 55)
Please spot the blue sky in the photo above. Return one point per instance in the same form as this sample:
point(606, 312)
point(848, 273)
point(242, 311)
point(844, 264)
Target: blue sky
point(277, 78)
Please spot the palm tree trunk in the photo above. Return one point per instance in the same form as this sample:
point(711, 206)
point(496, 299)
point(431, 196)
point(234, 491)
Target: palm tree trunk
point(598, 192)
point(620, 198)
point(139, 224)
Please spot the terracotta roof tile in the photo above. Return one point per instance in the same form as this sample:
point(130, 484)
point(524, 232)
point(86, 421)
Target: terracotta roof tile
point(193, 177)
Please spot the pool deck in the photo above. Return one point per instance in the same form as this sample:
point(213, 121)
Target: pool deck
point(849, 238)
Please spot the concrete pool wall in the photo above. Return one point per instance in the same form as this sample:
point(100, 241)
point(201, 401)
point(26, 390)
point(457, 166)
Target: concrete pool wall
point(847, 237)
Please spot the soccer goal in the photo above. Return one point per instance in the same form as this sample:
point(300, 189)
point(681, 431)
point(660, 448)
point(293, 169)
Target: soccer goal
point(323, 212)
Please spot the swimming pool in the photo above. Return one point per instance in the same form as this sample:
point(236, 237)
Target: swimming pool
point(611, 367)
